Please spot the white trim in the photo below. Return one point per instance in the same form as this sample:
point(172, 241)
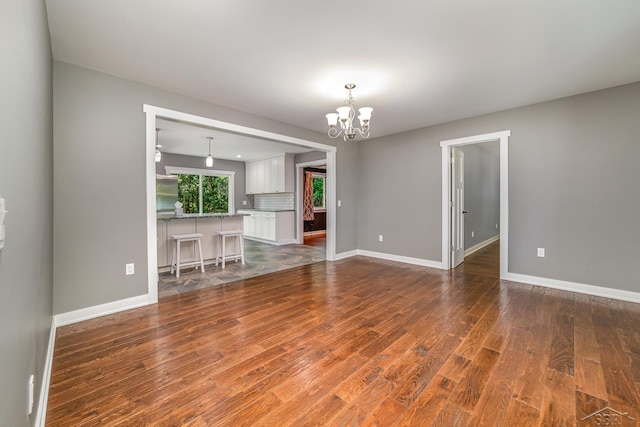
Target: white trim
point(299, 199)
point(503, 137)
point(41, 415)
point(399, 258)
point(330, 190)
point(100, 310)
point(195, 171)
point(152, 113)
point(581, 288)
point(476, 248)
point(344, 255)
point(152, 220)
point(244, 130)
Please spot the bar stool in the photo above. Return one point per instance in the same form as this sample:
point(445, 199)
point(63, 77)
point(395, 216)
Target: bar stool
point(233, 234)
point(175, 258)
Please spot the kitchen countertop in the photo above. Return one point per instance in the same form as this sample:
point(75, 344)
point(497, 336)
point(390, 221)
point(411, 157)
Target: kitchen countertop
point(170, 216)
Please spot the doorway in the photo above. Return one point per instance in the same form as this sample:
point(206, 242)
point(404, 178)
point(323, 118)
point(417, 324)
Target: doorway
point(448, 185)
point(152, 113)
point(312, 230)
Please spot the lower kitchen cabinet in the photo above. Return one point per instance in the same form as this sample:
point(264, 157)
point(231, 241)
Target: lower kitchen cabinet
point(277, 227)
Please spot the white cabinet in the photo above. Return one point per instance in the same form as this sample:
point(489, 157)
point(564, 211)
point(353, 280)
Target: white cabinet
point(273, 175)
point(270, 227)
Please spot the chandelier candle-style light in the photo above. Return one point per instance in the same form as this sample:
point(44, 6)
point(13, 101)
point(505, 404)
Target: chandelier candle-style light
point(345, 115)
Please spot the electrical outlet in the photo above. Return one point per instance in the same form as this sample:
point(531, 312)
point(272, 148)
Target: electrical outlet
point(473, 233)
point(129, 269)
point(541, 252)
point(244, 203)
point(380, 238)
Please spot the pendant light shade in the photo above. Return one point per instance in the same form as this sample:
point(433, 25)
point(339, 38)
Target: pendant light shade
point(209, 161)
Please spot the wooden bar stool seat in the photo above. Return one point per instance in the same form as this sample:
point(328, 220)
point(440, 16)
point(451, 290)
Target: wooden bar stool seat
point(237, 236)
point(175, 258)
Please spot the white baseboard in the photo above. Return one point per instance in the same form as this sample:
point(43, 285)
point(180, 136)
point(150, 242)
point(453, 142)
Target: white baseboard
point(476, 248)
point(599, 291)
point(41, 414)
point(100, 310)
point(343, 255)
point(399, 258)
point(581, 288)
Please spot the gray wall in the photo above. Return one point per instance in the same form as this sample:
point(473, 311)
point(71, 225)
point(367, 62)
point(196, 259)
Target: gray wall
point(218, 164)
point(99, 181)
point(481, 192)
point(26, 172)
point(573, 188)
point(310, 157)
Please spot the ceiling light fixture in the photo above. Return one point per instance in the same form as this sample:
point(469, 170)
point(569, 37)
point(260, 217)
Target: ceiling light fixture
point(346, 116)
point(209, 161)
point(158, 146)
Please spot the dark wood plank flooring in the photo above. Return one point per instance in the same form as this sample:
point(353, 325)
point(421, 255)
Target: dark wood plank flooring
point(318, 240)
point(357, 342)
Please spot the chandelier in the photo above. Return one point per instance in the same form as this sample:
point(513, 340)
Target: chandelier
point(345, 115)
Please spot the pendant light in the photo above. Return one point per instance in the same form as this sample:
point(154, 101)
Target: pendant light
point(209, 161)
point(158, 146)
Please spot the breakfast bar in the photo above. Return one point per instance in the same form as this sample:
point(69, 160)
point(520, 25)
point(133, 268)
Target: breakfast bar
point(209, 225)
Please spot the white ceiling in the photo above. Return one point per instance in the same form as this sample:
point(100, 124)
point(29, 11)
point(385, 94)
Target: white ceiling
point(417, 63)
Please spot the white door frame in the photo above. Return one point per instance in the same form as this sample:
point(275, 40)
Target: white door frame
point(503, 137)
point(300, 196)
point(152, 113)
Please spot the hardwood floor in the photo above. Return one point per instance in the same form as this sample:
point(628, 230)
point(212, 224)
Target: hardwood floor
point(317, 240)
point(352, 343)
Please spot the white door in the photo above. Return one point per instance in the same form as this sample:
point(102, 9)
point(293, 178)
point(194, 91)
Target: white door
point(457, 207)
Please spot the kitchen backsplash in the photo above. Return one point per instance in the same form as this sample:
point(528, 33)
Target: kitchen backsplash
point(279, 201)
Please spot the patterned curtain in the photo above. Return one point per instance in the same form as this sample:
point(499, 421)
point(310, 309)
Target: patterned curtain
point(308, 196)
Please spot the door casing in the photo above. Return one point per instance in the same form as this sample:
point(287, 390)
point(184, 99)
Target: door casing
point(503, 137)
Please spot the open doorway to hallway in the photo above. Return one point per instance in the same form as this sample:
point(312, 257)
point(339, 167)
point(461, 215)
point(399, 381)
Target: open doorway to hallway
point(447, 205)
point(476, 210)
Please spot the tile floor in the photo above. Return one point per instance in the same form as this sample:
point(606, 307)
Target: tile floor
point(260, 258)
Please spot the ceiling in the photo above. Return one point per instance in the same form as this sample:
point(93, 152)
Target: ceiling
point(191, 140)
point(417, 63)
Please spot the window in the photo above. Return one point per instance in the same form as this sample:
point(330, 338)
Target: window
point(319, 192)
point(203, 190)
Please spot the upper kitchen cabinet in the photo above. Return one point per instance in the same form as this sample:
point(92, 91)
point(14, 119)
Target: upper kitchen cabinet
point(272, 175)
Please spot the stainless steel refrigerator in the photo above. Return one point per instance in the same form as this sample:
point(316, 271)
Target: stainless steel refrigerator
point(166, 193)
